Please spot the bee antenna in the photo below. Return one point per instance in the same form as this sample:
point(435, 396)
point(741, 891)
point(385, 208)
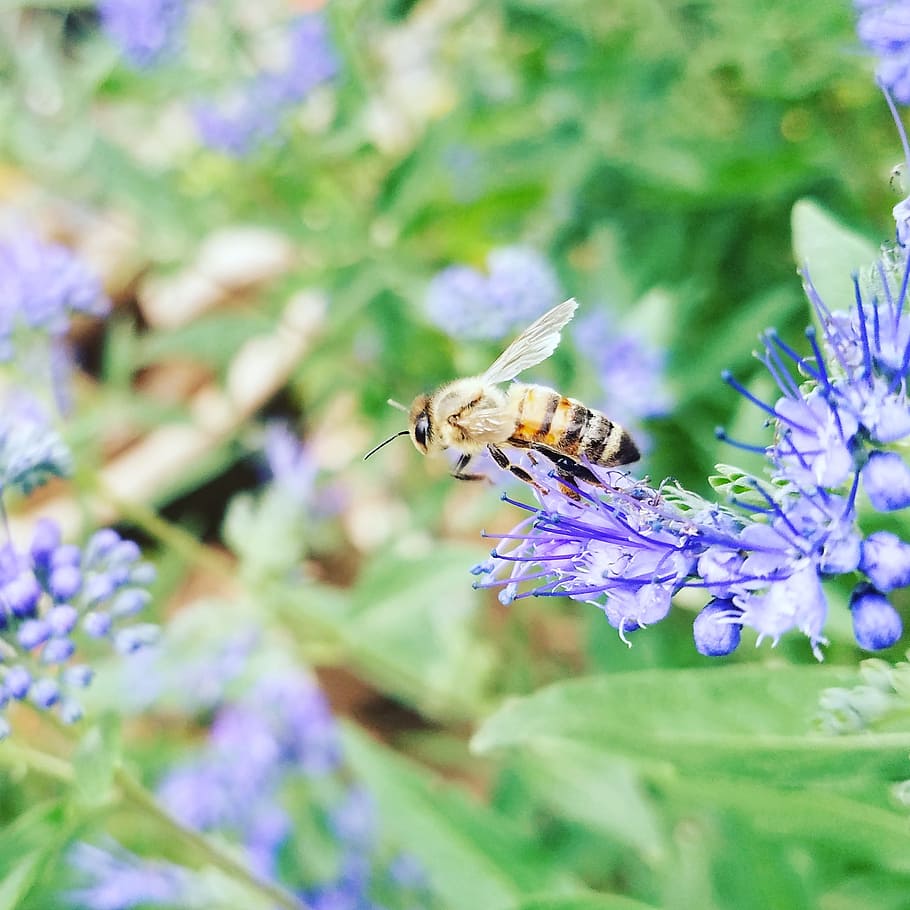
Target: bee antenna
point(385, 442)
point(397, 404)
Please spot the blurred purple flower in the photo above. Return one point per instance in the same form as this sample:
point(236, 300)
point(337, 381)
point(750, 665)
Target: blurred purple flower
point(47, 610)
point(884, 27)
point(519, 286)
point(31, 450)
point(145, 31)
point(250, 114)
point(630, 368)
point(119, 880)
point(291, 463)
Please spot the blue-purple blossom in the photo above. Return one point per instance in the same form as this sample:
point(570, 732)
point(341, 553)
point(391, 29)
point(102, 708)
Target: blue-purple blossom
point(44, 621)
point(31, 450)
point(519, 285)
point(115, 879)
point(764, 555)
point(263, 752)
point(884, 27)
point(630, 369)
point(145, 31)
point(41, 286)
point(291, 463)
point(250, 113)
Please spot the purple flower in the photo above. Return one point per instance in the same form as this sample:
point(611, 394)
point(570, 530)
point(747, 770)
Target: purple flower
point(116, 879)
point(145, 31)
point(291, 463)
point(886, 480)
point(766, 553)
point(31, 451)
point(48, 610)
point(518, 287)
point(41, 286)
point(717, 628)
point(630, 369)
point(884, 27)
point(251, 113)
point(876, 624)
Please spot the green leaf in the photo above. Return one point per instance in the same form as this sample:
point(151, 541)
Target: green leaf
point(18, 880)
point(94, 761)
point(408, 627)
point(599, 791)
point(582, 902)
point(830, 251)
point(473, 856)
point(740, 721)
point(25, 846)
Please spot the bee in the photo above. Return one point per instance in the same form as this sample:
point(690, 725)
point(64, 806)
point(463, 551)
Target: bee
point(473, 414)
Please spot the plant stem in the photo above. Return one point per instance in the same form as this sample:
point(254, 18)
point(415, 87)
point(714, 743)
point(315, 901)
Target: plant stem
point(133, 792)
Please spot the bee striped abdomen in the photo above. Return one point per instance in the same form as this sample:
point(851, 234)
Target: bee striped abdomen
point(546, 418)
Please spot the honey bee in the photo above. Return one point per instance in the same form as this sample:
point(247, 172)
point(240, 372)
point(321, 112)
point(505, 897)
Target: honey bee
point(473, 414)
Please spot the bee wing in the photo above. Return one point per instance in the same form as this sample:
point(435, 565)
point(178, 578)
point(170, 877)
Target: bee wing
point(535, 344)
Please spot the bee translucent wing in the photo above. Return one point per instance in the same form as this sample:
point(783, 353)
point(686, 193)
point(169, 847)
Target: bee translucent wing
point(535, 344)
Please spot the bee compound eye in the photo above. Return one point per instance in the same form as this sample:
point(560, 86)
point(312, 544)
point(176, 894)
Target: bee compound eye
point(421, 429)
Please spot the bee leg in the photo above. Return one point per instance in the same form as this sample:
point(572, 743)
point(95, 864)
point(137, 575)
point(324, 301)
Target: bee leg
point(502, 460)
point(569, 467)
point(459, 474)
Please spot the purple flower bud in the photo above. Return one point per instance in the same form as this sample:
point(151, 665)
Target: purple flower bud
point(715, 629)
point(96, 624)
point(66, 555)
point(64, 582)
point(876, 624)
point(32, 633)
point(886, 560)
point(45, 540)
point(62, 619)
point(45, 693)
point(353, 821)
point(100, 544)
point(886, 479)
point(134, 638)
point(130, 602)
point(406, 871)
point(70, 711)
point(98, 588)
point(17, 681)
point(79, 676)
point(21, 595)
point(127, 551)
point(143, 574)
point(57, 651)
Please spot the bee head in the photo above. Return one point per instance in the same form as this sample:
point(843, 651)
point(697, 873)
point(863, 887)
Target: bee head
point(419, 423)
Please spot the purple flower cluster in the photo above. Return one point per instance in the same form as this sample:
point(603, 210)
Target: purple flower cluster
point(466, 304)
point(145, 31)
point(56, 597)
point(630, 369)
point(31, 451)
point(884, 27)
point(277, 744)
point(251, 113)
point(41, 286)
point(839, 421)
